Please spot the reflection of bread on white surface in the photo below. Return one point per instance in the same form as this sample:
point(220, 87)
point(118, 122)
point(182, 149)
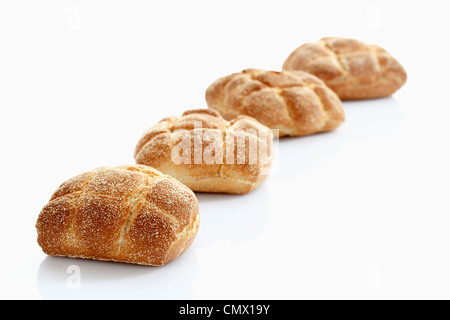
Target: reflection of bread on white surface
point(131, 214)
point(296, 103)
point(351, 68)
point(207, 153)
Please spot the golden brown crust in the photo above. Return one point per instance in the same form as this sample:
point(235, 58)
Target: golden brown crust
point(351, 68)
point(201, 149)
point(296, 103)
point(132, 214)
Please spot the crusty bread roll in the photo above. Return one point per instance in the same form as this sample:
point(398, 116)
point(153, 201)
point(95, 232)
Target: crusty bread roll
point(131, 214)
point(296, 103)
point(351, 68)
point(207, 153)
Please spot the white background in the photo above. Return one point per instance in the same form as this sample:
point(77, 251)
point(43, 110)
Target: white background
point(359, 213)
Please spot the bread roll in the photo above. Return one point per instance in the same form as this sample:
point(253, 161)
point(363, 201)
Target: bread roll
point(208, 153)
point(131, 214)
point(351, 68)
point(295, 103)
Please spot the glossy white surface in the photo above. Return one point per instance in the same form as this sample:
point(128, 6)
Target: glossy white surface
point(361, 212)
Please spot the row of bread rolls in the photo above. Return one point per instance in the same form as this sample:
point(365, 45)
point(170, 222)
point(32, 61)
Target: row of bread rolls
point(148, 213)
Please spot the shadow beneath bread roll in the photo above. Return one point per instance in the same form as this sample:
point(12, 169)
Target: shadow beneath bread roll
point(300, 156)
point(375, 116)
point(69, 278)
point(237, 218)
